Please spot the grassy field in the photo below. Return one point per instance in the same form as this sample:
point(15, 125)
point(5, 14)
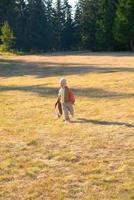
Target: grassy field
point(41, 158)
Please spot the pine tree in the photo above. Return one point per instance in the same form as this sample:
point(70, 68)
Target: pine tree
point(77, 27)
point(88, 23)
point(68, 29)
point(105, 22)
point(36, 31)
point(7, 11)
point(7, 38)
point(50, 20)
point(58, 25)
point(124, 23)
point(20, 24)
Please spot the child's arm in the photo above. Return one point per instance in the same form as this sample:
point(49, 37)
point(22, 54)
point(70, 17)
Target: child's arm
point(58, 98)
point(59, 95)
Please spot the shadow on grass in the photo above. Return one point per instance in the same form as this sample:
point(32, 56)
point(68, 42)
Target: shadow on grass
point(45, 91)
point(10, 68)
point(104, 123)
point(85, 53)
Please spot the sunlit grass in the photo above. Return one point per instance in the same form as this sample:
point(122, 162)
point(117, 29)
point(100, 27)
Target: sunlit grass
point(44, 159)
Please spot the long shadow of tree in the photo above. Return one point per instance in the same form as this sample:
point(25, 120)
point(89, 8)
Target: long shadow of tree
point(98, 93)
point(87, 53)
point(9, 68)
point(44, 91)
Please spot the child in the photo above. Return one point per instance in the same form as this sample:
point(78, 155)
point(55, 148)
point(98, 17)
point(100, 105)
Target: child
point(67, 99)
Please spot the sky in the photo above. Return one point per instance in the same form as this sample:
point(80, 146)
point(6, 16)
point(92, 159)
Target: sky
point(73, 2)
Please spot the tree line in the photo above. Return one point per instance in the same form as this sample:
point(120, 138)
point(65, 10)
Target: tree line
point(47, 25)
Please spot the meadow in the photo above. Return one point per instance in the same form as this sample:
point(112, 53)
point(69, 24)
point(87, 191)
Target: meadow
point(41, 157)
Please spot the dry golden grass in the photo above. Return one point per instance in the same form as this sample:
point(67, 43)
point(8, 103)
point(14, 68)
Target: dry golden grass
point(41, 158)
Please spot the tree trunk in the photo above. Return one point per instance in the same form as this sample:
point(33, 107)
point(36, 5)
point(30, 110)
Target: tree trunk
point(132, 45)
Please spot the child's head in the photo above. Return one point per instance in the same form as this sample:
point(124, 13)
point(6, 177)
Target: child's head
point(63, 82)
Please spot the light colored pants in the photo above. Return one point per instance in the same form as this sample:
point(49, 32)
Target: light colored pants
point(67, 108)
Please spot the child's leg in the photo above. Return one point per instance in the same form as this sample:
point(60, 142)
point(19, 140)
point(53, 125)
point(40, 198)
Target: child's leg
point(66, 111)
point(71, 109)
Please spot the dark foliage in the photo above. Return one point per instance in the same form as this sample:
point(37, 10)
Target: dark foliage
point(44, 25)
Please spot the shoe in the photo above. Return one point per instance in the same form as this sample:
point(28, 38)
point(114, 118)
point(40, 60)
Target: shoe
point(67, 121)
point(72, 118)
